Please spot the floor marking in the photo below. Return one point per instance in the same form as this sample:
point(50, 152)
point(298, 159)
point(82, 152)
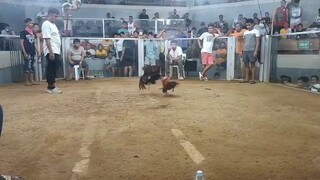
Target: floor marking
point(192, 151)
point(80, 168)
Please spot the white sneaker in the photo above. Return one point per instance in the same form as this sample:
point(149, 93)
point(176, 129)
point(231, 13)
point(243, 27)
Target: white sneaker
point(181, 78)
point(54, 91)
point(205, 79)
point(200, 76)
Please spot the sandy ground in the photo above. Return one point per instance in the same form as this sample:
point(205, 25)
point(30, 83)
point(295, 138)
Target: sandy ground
point(108, 129)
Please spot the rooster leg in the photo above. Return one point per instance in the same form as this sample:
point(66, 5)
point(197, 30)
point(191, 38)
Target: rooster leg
point(148, 86)
point(173, 90)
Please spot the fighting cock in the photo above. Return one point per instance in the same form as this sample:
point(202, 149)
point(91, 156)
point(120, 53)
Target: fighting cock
point(168, 85)
point(150, 76)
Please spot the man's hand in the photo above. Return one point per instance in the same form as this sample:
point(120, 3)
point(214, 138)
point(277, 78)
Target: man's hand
point(255, 54)
point(26, 56)
point(71, 62)
point(51, 56)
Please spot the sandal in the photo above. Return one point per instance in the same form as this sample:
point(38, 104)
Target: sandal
point(27, 84)
point(35, 83)
point(243, 81)
point(252, 82)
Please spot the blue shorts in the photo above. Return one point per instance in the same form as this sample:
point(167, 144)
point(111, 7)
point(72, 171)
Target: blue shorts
point(29, 64)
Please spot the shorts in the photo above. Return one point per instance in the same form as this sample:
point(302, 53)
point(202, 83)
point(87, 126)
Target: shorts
point(248, 56)
point(29, 64)
point(207, 58)
point(84, 64)
point(150, 61)
point(127, 62)
point(294, 22)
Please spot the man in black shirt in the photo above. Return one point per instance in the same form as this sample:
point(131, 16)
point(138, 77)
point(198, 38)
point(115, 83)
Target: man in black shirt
point(27, 43)
point(144, 23)
point(127, 58)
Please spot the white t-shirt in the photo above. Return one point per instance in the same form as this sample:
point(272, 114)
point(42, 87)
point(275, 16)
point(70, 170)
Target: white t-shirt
point(175, 54)
point(50, 31)
point(207, 44)
point(119, 45)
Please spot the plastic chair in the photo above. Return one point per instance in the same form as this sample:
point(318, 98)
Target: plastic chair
point(77, 72)
point(184, 57)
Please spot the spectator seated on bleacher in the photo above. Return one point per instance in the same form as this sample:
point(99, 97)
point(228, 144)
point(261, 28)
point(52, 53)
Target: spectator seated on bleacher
point(111, 64)
point(299, 29)
point(101, 53)
point(221, 55)
point(285, 30)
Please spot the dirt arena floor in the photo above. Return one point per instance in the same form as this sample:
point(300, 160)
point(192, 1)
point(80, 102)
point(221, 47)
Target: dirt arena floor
point(107, 129)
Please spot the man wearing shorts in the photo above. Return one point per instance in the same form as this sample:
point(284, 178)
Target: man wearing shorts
point(127, 57)
point(27, 43)
point(250, 50)
point(206, 46)
point(76, 56)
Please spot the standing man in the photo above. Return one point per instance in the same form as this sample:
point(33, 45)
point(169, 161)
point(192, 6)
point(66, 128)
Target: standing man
point(206, 46)
point(131, 25)
point(250, 51)
point(29, 49)
point(52, 49)
point(143, 22)
point(281, 17)
point(127, 57)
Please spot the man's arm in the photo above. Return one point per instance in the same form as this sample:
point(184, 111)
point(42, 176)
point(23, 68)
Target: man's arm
point(69, 57)
point(48, 43)
point(123, 51)
point(83, 54)
point(257, 46)
point(23, 49)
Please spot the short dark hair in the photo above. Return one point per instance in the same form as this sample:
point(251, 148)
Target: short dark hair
point(173, 42)
point(284, 78)
point(124, 22)
point(121, 33)
point(250, 21)
point(150, 33)
point(220, 15)
point(304, 79)
point(315, 76)
point(211, 24)
point(53, 10)
point(130, 16)
point(193, 28)
point(135, 31)
point(76, 41)
point(300, 24)
point(27, 20)
point(35, 24)
point(189, 31)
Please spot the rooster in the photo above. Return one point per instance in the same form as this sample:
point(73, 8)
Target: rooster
point(168, 85)
point(150, 76)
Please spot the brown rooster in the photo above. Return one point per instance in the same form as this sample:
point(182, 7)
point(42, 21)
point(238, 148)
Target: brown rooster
point(168, 85)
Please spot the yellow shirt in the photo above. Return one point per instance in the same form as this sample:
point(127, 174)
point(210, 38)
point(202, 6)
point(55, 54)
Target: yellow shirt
point(106, 44)
point(101, 54)
point(284, 31)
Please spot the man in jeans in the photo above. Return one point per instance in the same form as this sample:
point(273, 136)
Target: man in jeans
point(27, 43)
point(250, 50)
point(52, 49)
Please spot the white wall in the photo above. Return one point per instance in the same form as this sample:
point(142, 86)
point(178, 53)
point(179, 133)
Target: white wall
point(118, 11)
point(207, 13)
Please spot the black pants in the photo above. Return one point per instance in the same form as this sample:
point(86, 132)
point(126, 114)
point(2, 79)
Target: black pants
point(52, 67)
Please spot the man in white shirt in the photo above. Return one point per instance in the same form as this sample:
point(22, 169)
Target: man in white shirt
point(52, 49)
point(206, 46)
point(174, 57)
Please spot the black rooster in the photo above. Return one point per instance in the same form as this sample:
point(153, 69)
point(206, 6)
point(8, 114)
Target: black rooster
point(150, 76)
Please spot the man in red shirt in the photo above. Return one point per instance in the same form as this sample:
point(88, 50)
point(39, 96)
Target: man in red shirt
point(281, 17)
